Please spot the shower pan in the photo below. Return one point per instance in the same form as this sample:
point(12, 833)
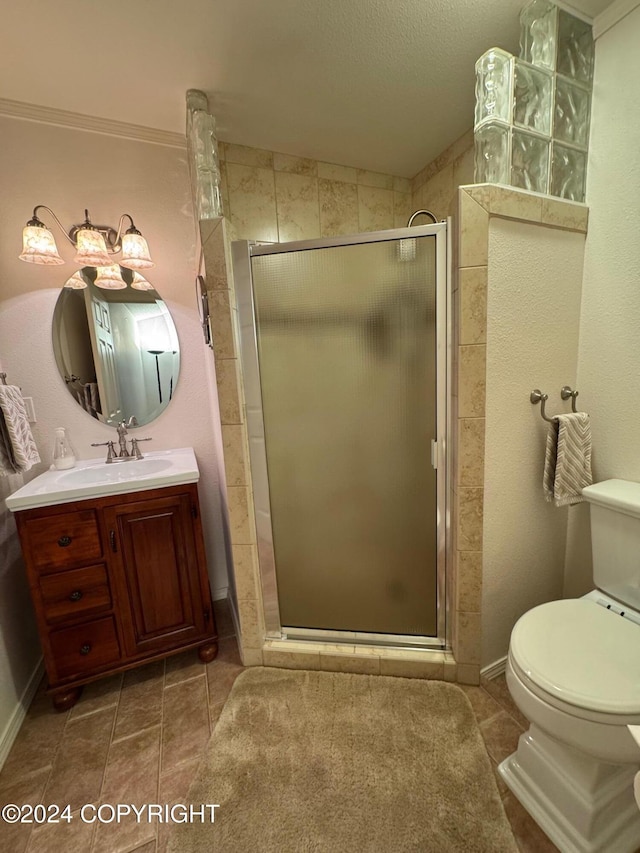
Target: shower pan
point(346, 365)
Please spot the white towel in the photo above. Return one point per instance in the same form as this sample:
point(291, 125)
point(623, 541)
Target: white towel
point(567, 462)
point(18, 451)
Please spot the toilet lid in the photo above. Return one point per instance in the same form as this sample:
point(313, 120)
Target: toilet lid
point(581, 653)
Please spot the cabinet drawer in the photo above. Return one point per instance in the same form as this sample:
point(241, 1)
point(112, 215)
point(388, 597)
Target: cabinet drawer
point(85, 648)
point(78, 592)
point(61, 540)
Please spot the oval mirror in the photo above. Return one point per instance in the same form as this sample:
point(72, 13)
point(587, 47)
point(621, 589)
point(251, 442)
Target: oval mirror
point(116, 349)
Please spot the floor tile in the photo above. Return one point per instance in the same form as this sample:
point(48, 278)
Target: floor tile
point(224, 620)
point(37, 741)
point(185, 727)
point(149, 847)
point(140, 704)
point(484, 705)
point(529, 837)
point(497, 688)
point(29, 790)
point(97, 695)
point(182, 667)
point(174, 787)
point(500, 735)
point(73, 835)
point(76, 777)
point(223, 671)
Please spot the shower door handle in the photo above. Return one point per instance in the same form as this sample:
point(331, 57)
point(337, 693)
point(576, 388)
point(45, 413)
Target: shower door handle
point(434, 454)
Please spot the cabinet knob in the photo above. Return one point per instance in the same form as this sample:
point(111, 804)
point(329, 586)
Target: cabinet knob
point(76, 595)
point(64, 541)
point(85, 649)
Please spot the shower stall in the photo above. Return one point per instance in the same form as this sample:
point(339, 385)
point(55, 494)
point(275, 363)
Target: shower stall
point(345, 346)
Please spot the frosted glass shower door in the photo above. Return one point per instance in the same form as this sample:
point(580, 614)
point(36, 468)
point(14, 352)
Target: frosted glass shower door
point(346, 342)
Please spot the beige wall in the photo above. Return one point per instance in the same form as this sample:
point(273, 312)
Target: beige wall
point(275, 197)
point(534, 283)
point(435, 187)
point(609, 352)
point(69, 170)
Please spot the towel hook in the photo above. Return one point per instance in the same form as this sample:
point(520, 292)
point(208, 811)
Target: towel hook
point(536, 397)
point(567, 392)
point(3, 378)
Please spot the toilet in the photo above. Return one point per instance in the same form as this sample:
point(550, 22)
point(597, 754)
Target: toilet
point(574, 671)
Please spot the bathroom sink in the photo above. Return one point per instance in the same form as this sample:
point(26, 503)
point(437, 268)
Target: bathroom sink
point(93, 478)
point(117, 472)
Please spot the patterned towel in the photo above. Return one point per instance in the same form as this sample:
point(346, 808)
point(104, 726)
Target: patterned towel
point(567, 462)
point(18, 451)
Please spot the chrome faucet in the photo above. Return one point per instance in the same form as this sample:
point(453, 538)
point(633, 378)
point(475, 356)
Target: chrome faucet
point(124, 455)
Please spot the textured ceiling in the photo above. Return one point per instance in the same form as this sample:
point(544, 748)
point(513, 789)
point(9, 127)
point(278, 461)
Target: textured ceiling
point(380, 84)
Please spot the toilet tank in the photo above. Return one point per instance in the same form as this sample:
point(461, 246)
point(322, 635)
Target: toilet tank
point(615, 538)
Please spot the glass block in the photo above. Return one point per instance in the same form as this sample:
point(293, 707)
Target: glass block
point(571, 113)
point(532, 97)
point(529, 161)
point(492, 154)
point(575, 47)
point(493, 86)
point(568, 172)
point(538, 33)
point(203, 157)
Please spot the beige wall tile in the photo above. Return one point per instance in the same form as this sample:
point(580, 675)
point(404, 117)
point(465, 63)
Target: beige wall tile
point(515, 204)
point(365, 665)
point(221, 324)
point(333, 172)
point(246, 156)
point(239, 515)
point(481, 193)
point(471, 381)
point(565, 214)
point(207, 228)
point(297, 206)
point(473, 234)
point(224, 188)
point(469, 639)
point(375, 208)
point(469, 581)
point(233, 448)
point(469, 673)
point(410, 668)
point(437, 193)
point(402, 185)
point(375, 179)
point(472, 283)
point(251, 657)
point(338, 208)
point(245, 572)
point(463, 167)
point(212, 238)
point(290, 660)
point(450, 667)
point(222, 150)
point(252, 202)
point(471, 451)
point(296, 165)
point(402, 209)
point(228, 391)
point(470, 517)
point(250, 615)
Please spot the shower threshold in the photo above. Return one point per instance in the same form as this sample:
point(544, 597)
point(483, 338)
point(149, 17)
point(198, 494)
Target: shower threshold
point(360, 638)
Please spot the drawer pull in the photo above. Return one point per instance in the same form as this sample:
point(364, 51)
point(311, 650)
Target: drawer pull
point(64, 541)
point(76, 595)
point(84, 650)
point(112, 539)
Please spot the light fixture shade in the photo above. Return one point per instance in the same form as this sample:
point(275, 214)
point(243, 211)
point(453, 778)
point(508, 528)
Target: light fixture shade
point(135, 252)
point(91, 249)
point(110, 278)
point(39, 246)
point(139, 282)
point(76, 282)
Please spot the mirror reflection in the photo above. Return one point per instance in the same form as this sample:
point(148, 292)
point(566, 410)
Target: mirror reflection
point(116, 349)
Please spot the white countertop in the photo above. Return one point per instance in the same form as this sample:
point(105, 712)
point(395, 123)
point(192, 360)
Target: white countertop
point(93, 478)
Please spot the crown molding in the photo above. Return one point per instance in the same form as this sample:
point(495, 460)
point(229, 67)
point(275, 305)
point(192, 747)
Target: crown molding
point(92, 124)
point(612, 15)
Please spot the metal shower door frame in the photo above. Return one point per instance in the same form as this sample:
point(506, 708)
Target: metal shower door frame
point(242, 253)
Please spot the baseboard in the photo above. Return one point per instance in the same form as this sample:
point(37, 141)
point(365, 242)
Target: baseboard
point(219, 593)
point(495, 669)
point(13, 726)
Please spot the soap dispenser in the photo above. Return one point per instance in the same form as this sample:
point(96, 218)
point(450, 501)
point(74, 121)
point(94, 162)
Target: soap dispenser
point(63, 453)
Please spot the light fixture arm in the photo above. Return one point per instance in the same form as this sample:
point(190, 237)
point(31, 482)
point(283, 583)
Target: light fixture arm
point(131, 230)
point(36, 221)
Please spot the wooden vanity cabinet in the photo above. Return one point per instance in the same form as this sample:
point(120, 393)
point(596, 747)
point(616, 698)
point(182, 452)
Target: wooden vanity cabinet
point(116, 582)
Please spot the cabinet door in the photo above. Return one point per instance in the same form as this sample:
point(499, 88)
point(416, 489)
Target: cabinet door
point(154, 550)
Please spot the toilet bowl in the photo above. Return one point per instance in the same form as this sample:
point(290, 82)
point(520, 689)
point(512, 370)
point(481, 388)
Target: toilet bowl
point(573, 670)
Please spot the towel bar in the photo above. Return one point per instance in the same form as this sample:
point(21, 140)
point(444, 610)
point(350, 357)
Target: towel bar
point(566, 392)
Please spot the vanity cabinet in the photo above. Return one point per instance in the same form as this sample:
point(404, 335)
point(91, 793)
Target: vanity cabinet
point(117, 581)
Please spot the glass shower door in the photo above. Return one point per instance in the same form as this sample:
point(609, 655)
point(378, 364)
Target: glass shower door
point(347, 345)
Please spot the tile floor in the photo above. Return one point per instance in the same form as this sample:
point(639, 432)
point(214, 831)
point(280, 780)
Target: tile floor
point(137, 739)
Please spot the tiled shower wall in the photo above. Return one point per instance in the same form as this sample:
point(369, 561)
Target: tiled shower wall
point(435, 187)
